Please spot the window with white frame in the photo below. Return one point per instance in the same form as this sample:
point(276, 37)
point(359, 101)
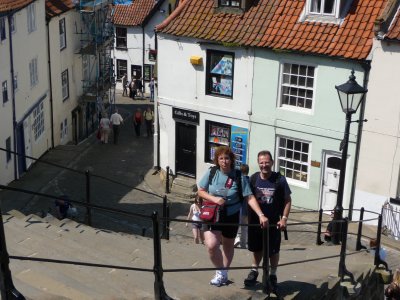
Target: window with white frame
point(293, 159)
point(38, 121)
point(297, 85)
point(229, 3)
point(3, 29)
point(122, 68)
point(219, 74)
point(31, 18)
point(65, 84)
point(63, 38)
point(4, 91)
point(322, 7)
point(8, 149)
point(33, 71)
point(120, 34)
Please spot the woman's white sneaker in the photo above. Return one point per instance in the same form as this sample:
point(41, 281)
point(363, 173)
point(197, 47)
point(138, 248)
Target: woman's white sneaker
point(219, 279)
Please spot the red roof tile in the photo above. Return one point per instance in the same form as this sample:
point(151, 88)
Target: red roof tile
point(57, 7)
point(394, 29)
point(8, 5)
point(133, 14)
point(276, 24)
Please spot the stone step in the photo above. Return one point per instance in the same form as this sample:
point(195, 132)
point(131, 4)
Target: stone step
point(186, 182)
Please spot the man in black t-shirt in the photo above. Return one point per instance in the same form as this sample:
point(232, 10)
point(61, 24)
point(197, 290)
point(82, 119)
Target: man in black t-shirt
point(273, 195)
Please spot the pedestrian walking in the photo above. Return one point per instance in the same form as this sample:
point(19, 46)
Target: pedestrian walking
point(227, 188)
point(125, 85)
point(116, 121)
point(137, 121)
point(151, 87)
point(194, 215)
point(273, 196)
point(105, 128)
point(149, 118)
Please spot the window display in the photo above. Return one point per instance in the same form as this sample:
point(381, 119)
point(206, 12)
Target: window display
point(217, 134)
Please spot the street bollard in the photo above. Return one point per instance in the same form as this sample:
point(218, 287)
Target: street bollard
point(359, 246)
point(167, 180)
point(378, 260)
point(319, 241)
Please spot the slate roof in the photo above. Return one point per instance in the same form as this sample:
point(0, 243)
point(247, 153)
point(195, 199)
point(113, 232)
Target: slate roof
point(276, 24)
point(57, 7)
point(133, 14)
point(8, 5)
point(394, 29)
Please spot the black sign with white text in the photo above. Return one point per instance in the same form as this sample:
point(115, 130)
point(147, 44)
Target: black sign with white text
point(186, 115)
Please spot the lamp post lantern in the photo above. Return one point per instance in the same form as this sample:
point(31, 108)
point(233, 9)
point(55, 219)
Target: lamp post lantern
point(351, 94)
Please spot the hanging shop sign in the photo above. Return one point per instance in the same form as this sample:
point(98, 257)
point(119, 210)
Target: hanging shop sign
point(185, 115)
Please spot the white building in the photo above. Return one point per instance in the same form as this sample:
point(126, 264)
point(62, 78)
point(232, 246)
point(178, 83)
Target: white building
point(25, 113)
point(135, 49)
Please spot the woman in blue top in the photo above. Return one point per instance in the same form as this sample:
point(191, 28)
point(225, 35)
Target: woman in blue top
point(224, 191)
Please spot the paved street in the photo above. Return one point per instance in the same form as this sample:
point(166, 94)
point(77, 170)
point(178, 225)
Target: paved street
point(123, 178)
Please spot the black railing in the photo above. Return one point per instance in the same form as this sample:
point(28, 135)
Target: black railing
point(8, 291)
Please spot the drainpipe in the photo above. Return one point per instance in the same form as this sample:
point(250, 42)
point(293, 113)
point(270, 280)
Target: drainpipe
point(156, 120)
point(51, 87)
point(367, 67)
point(14, 117)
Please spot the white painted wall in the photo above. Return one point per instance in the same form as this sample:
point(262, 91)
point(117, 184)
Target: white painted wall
point(181, 84)
point(378, 173)
point(6, 168)
point(65, 59)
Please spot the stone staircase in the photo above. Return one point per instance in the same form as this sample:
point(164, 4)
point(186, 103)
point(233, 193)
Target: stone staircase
point(50, 238)
point(184, 188)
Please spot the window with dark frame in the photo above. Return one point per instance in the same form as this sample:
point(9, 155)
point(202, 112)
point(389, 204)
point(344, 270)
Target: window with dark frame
point(65, 84)
point(219, 74)
point(5, 91)
point(3, 29)
point(63, 38)
point(122, 68)
point(229, 3)
point(120, 33)
point(217, 134)
point(148, 72)
point(8, 149)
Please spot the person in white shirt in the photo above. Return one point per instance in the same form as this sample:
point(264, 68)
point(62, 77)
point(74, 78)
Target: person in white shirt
point(105, 128)
point(116, 121)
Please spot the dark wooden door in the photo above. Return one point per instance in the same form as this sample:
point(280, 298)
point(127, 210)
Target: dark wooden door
point(185, 151)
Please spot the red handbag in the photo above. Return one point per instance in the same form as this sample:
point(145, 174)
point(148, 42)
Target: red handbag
point(209, 212)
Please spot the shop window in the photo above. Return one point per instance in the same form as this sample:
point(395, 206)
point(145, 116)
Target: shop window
point(219, 74)
point(148, 72)
point(293, 159)
point(217, 134)
point(38, 121)
point(120, 33)
point(297, 86)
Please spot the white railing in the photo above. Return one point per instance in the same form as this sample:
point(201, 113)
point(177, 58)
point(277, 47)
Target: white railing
point(391, 220)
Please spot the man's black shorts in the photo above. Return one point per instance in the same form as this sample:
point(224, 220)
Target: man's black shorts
point(227, 231)
point(255, 239)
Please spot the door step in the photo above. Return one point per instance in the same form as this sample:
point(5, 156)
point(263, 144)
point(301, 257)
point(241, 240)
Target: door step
point(184, 187)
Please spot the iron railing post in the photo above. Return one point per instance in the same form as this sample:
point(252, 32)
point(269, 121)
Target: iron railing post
point(359, 246)
point(342, 263)
point(7, 289)
point(378, 260)
point(164, 215)
point(167, 222)
point(167, 180)
point(88, 210)
point(319, 241)
point(266, 283)
point(159, 290)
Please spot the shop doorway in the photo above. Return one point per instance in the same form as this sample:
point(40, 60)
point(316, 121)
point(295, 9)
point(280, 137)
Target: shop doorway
point(185, 149)
point(136, 72)
point(330, 184)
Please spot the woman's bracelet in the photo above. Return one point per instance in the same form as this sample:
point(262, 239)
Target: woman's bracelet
point(260, 214)
point(284, 217)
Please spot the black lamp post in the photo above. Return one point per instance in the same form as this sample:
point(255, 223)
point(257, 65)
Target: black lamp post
point(351, 94)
